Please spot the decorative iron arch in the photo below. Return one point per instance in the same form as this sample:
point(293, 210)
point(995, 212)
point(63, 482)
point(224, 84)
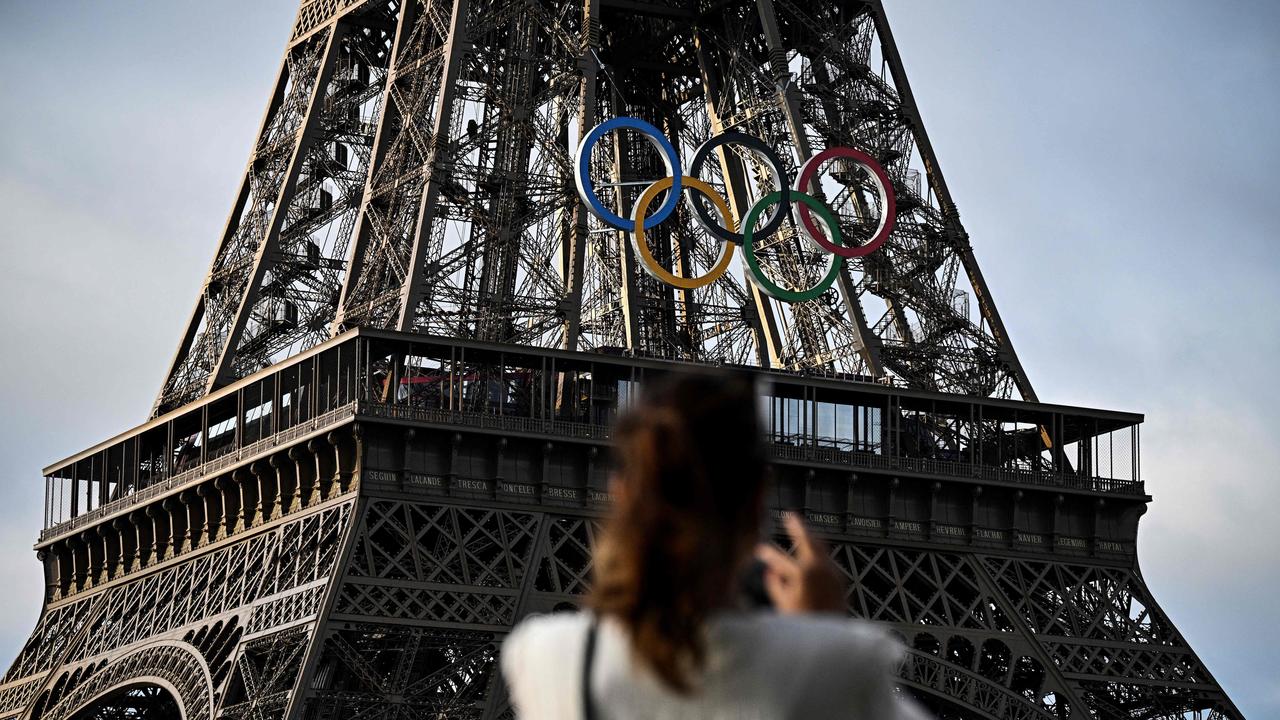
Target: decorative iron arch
point(106, 701)
point(175, 666)
point(965, 689)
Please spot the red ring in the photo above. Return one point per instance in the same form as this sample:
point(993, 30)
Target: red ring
point(887, 217)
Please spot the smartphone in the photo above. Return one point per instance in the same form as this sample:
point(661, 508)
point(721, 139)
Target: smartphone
point(751, 592)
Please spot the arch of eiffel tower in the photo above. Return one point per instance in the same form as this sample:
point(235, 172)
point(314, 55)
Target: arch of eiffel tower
point(384, 436)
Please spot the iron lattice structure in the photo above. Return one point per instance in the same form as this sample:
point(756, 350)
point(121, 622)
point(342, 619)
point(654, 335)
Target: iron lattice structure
point(413, 173)
point(384, 438)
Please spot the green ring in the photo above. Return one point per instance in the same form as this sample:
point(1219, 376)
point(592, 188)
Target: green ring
point(757, 275)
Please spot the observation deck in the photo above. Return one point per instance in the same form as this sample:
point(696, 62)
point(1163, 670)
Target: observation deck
point(407, 413)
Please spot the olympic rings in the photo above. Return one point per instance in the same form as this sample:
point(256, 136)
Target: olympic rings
point(728, 232)
point(887, 200)
point(758, 147)
point(650, 265)
point(587, 191)
point(749, 252)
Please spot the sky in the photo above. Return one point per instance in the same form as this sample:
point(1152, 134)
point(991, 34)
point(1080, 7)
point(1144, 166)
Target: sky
point(1112, 161)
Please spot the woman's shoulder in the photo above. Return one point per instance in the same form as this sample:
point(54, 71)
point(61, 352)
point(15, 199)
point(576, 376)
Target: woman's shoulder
point(810, 634)
point(827, 661)
point(539, 637)
point(545, 631)
point(553, 623)
point(821, 634)
point(541, 660)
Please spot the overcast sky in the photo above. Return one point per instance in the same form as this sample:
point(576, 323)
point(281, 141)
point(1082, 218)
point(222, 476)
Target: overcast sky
point(1112, 161)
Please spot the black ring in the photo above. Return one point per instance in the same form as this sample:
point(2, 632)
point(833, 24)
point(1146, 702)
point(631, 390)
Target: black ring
point(756, 145)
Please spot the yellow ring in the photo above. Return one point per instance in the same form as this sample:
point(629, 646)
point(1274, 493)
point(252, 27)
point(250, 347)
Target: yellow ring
point(641, 246)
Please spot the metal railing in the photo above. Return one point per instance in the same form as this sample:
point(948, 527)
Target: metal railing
point(226, 458)
point(790, 450)
point(803, 452)
point(559, 428)
point(972, 471)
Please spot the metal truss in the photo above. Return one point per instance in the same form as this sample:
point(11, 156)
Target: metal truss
point(413, 173)
point(206, 629)
point(354, 590)
point(352, 532)
point(353, 552)
point(278, 271)
point(989, 636)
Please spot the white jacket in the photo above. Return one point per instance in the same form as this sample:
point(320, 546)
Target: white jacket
point(760, 666)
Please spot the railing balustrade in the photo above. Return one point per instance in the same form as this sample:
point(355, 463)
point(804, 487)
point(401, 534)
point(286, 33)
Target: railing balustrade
point(226, 458)
point(791, 450)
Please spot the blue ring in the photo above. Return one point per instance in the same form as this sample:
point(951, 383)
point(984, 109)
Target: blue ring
point(587, 190)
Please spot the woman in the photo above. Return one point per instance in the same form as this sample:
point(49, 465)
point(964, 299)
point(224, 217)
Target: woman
point(667, 637)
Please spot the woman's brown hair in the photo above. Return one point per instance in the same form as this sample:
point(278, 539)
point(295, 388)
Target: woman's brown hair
point(690, 474)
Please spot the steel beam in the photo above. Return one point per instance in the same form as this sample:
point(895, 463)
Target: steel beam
point(229, 228)
point(626, 257)
point(405, 25)
point(869, 343)
point(269, 245)
point(889, 50)
point(576, 247)
point(763, 318)
point(456, 49)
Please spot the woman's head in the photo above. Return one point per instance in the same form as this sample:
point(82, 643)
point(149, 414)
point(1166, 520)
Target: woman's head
point(688, 486)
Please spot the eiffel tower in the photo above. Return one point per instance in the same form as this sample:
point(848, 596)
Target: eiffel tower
point(384, 437)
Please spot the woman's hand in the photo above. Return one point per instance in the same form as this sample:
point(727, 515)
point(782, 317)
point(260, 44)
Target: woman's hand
point(806, 583)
